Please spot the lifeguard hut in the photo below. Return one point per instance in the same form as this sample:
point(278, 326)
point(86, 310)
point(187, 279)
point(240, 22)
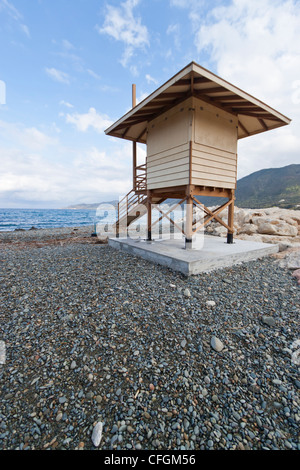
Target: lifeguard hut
point(191, 126)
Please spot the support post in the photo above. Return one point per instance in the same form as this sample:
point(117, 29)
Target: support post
point(230, 219)
point(134, 143)
point(149, 216)
point(118, 222)
point(189, 223)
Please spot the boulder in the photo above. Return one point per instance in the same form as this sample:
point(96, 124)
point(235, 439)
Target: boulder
point(248, 229)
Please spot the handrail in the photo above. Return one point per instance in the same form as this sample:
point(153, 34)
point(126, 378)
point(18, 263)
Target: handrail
point(127, 204)
point(134, 197)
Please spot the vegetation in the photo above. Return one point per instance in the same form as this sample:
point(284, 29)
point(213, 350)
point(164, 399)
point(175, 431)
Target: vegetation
point(278, 187)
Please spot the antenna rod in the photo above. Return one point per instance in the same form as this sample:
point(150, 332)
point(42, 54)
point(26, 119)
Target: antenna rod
point(134, 143)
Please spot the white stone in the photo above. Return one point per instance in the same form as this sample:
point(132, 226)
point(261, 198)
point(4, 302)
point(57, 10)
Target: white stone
point(97, 434)
point(216, 344)
point(280, 228)
point(187, 293)
point(2, 352)
point(248, 229)
point(210, 303)
point(266, 228)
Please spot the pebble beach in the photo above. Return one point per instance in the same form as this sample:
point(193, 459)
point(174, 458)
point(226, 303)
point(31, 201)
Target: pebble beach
point(164, 362)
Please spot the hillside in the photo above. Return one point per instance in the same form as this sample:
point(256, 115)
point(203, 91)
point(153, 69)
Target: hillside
point(271, 187)
point(93, 206)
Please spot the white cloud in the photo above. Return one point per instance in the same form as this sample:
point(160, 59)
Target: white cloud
point(67, 44)
point(58, 75)
point(151, 79)
point(65, 103)
point(29, 138)
point(90, 119)
point(174, 29)
point(25, 30)
point(93, 74)
point(89, 176)
point(7, 6)
point(121, 24)
point(255, 45)
point(15, 14)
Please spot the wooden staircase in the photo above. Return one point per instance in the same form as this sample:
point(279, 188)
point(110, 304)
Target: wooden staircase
point(132, 207)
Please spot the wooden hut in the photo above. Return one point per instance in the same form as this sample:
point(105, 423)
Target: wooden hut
point(191, 126)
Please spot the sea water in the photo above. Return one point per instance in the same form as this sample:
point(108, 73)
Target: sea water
point(12, 219)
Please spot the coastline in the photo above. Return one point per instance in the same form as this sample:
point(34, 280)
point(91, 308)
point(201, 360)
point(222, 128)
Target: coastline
point(47, 236)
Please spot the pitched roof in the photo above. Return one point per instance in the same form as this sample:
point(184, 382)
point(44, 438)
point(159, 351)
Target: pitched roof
point(254, 116)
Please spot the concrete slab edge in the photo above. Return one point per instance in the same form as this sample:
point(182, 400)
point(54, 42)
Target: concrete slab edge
point(193, 267)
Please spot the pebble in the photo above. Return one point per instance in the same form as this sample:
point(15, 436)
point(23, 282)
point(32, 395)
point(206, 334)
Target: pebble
point(187, 292)
point(92, 345)
point(270, 321)
point(97, 434)
point(216, 344)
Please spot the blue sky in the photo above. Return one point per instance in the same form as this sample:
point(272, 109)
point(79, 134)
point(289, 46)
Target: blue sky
point(66, 72)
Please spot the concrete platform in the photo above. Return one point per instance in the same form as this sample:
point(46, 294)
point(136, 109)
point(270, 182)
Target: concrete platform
point(215, 253)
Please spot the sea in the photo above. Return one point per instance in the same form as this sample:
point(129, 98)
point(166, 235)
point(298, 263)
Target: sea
point(12, 219)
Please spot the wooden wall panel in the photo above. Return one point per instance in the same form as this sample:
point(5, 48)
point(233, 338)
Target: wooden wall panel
point(214, 147)
point(168, 148)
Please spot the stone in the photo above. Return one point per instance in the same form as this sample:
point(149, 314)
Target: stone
point(267, 228)
point(248, 229)
point(296, 274)
point(216, 344)
point(97, 434)
point(270, 321)
point(187, 293)
point(210, 303)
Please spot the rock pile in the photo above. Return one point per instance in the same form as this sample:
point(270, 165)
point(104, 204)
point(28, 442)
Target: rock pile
point(271, 225)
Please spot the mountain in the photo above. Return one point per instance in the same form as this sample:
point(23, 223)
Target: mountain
point(90, 207)
point(278, 187)
point(271, 187)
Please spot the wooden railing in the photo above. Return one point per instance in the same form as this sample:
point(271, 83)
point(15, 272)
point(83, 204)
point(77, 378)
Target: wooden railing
point(127, 204)
point(135, 197)
point(139, 183)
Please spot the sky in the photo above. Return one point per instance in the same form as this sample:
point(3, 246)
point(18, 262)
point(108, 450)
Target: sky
point(67, 68)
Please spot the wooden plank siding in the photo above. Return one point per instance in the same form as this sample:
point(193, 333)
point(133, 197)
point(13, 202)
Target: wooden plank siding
point(168, 148)
point(214, 147)
point(192, 143)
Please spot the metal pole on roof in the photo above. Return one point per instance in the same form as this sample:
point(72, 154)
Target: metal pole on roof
point(134, 143)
